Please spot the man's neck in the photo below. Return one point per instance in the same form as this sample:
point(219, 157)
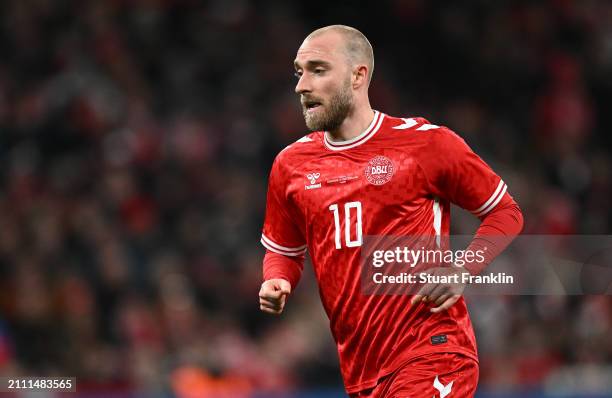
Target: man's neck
point(354, 124)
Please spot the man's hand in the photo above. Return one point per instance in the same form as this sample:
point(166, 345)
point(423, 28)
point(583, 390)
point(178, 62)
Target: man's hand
point(273, 295)
point(443, 295)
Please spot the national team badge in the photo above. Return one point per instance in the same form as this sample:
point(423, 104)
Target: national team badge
point(379, 170)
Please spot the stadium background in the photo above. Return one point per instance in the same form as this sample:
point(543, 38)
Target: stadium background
point(135, 142)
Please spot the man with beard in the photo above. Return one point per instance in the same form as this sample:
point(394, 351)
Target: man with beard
point(361, 172)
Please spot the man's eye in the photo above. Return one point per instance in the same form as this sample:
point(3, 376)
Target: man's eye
point(297, 74)
point(318, 71)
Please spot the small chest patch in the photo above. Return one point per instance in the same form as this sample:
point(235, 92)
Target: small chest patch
point(379, 170)
point(439, 339)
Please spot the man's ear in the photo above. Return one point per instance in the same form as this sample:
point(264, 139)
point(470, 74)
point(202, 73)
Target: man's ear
point(360, 76)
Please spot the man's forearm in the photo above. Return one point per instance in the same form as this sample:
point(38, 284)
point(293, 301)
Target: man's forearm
point(277, 266)
point(497, 230)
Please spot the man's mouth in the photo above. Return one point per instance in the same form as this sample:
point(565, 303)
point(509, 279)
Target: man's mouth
point(310, 105)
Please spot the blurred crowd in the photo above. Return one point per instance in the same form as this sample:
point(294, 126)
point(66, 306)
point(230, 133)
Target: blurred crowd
point(135, 141)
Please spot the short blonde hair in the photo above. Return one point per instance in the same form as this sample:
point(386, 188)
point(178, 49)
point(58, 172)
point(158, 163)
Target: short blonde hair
point(357, 47)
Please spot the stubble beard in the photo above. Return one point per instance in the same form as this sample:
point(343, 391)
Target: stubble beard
point(338, 108)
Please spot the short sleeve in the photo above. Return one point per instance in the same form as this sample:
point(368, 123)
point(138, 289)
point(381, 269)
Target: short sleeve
point(280, 232)
point(456, 173)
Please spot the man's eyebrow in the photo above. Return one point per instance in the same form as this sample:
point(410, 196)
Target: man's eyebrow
point(312, 63)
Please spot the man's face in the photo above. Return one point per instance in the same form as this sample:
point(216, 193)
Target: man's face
point(324, 82)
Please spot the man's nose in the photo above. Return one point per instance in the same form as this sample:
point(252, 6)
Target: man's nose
point(303, 86)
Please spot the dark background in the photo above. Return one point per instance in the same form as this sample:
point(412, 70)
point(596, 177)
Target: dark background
point(135, 142)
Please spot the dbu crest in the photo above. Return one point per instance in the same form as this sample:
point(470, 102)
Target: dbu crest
point(379, 170)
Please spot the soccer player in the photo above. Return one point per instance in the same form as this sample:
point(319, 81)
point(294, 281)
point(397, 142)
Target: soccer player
point(362, 172)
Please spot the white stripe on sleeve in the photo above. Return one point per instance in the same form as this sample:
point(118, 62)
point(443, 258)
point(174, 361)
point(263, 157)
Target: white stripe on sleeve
point(492, 201)
point(276, 248)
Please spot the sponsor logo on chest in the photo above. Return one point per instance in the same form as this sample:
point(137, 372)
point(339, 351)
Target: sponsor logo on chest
point(312, 178)
point(379, 170)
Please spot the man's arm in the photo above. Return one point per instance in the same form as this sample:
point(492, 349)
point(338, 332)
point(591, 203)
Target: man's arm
point(281, 275)
point(497, 229)
point(465, 179)
point(285, 244)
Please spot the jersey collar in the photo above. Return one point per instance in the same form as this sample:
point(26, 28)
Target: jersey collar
point(356, 141)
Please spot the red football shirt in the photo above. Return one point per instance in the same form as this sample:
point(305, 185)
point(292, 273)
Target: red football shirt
point(396, 178)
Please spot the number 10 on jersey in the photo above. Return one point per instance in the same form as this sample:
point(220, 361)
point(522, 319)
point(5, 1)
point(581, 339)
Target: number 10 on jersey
point(347, 224)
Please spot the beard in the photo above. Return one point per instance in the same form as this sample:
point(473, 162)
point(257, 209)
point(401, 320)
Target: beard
point(331, 116)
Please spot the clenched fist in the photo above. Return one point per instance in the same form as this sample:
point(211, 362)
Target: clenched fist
point(273, 295)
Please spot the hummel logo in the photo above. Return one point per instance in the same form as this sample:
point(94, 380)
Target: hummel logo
point(312, 177)
point(444, 389)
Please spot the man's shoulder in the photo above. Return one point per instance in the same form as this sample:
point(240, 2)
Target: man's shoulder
point(410, 124)
point(305, 147)
point(418, 128)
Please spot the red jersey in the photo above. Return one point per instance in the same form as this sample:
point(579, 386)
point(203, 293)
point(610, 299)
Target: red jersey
point(396, 178)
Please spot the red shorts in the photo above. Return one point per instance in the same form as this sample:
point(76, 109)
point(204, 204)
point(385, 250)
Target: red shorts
point(438, 375)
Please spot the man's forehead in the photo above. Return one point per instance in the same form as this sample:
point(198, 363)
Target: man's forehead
point(312, 56)
point(323, 47)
